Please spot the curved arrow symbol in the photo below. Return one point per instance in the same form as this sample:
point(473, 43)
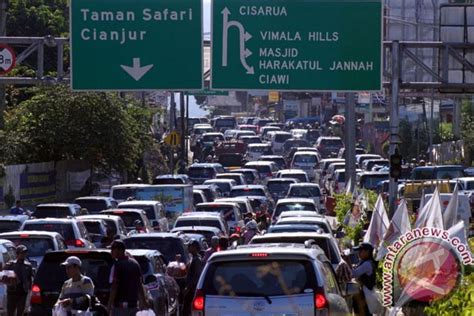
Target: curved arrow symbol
point(136, 71)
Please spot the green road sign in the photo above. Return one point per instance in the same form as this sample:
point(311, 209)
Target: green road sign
point(207, 92)
point(136, 44)
point(297, 45)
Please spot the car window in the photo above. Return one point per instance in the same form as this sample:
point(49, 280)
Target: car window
point(278, 186)
point(92, 206)
point(60, 242)
point(128, 217)
point(247, 192)
point(123, 193)
point(82, 229)
point(144, 263)
point(37, 247)
point(331, 284)
point(259, 278)
point(149, 210)
point(226, 211)
point(306, 159)
point(198, 222)
point(201, 172)
point(56, 212)
point(93, 227)
point(294, 207)
point(65, 229)
point(9, 226)
point(168, 247)
point(305, 192)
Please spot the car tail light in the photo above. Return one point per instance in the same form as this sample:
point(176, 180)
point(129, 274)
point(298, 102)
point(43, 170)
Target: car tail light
point(445, 203)
point(320, 301)
point(259, 255)
point(199, 301)
point(36, 295)
point(75, 243)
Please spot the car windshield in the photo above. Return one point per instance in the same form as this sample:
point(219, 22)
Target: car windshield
point(252, 140)
point(93, 227)
point(449, 173)
point(281, 138)
point(246, 192)
point(301, 177)
point(332, 143)
point(292, 228)
point(51, 274)
point(197, 198)
point(128, 218)
point(306, 159)
point(197, 222)
point(168, 181)
point(230, 160)
point(248, 176)
point(123, 193)
point(211, 138)
point(56, 212)
point(371, 182)
point(305, 192)
point(65, 229)
point(169, 247)
point(258, 149)
point(200, 172)
point(469, 185)
point(226, 211)
point(227, 122)
point(280, 186)
point(37, 246)
point(92, 206)
point(294, 207)
point(149, 210)
point(257, 278)
point(9, 226)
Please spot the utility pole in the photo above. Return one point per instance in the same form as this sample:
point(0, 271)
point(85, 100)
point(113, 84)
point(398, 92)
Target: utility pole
point(187, 131)
point(183, 133)
point(394, 122)
point(350, 126)
point(3, 32)
point(172, 128)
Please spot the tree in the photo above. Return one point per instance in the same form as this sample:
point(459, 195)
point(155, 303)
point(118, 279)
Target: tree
point(56, 124)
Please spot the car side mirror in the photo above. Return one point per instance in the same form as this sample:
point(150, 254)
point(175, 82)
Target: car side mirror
point(352, 288)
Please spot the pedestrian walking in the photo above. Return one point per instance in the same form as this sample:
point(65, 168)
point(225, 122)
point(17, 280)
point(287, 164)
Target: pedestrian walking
point(251, 229)
point(78, 290)
point(17, 210)
point(127, 288)
point(365, 273)
point(194, 272)
point(18, 288)
point(213, 248)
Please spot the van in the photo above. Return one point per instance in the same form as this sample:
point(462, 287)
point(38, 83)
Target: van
point(123, 192)
point(222, 123)
point(307, 161)
point(438, 172)
point(277, 139)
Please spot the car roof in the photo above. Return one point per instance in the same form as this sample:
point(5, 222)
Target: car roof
point(295, 200)
point(99, 216)
point(272, 250)
point(143, 252)
point(227, 174)
point(15, 218)
point(329, 137)
point(204, 165)
point(197, 228)
point(220, 180)
point(200, 215)
point(304, 184)
point(295, 234)
point(244, 170)
point(311, 153)
point(259, 145)
point(122, 210)
point(57, 204)
point(153, 235)
point(315, 219)
point(172, 176)
point(271, 157)
point(216, 203)
point(138, 202)
point(300, 213)
point(129, 185)
point(50, 220)
point(464, 179)
point(281, 180)
point(294, 226)
point(374, 173)
point(259, 163)
point(292, 171)
point(30, 233)
point(107, 198)
point(248, 186)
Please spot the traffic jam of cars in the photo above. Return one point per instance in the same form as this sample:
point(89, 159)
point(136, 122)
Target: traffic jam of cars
point(251, 228)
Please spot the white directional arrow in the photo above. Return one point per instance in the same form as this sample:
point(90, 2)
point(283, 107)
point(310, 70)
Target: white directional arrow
point(136, 71)
point(247, 53)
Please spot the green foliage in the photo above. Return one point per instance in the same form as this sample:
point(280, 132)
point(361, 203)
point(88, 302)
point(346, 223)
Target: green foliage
point(446, 132)
point(9, 198)
point(343, 205)
point(467, 130)
point(56, 124)
point(37, 17)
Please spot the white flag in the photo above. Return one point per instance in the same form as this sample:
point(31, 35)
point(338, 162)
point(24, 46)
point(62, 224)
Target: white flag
point(349, 187)
point(458, 230)
point(399, 225)
point(378, 224)
point(450, 215)
point(430, 215)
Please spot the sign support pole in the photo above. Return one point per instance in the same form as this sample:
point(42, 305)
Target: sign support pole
point(187, 131)
point(183, 134)
point(350, 139)
point(394, 122)
point(3, 32)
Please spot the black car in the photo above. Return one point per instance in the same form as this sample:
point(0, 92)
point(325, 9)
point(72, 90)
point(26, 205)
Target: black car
point(167, 244)
point(49, 278)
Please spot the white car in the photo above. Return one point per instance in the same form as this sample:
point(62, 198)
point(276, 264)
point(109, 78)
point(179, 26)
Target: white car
point(307, 161)
point(229, 211)
point(297, 174)
point(154, 211)
point(202, 219)
point(277, 139)
point(294, 204)
point(255, 151)
point(285, 279)
point(307, 190)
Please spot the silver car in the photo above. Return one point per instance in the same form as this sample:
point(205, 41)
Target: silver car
point(269, 279)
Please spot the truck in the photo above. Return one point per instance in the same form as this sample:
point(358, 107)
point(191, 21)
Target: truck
point(176, 199)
